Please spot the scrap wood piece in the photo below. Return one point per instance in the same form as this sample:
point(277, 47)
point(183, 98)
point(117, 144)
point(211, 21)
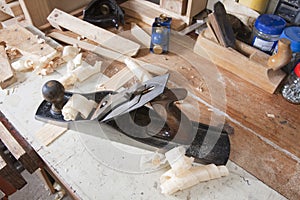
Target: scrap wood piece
point(63, 37)
point(17, 150)
point(6, 74)
point(117, 81)
point(11, 175)
point(141, 35)
point(18, 37)
point(58, 18)
point(49, 133)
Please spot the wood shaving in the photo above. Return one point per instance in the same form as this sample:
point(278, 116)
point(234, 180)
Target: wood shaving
point(183, 174)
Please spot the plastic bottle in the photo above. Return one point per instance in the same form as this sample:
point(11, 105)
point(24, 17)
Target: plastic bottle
point(292, 33)
point(266, 32)
point(291, 88)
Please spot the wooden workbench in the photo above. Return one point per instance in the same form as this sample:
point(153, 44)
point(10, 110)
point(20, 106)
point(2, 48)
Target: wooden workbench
point(94, 168)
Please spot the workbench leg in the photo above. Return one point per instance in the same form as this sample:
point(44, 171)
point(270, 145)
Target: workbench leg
point(45, 177)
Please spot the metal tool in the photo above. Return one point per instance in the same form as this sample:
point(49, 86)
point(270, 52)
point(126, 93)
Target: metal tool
point(104, 13)
point(124, 117)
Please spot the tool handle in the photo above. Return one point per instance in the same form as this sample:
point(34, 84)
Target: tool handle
point(54, 92)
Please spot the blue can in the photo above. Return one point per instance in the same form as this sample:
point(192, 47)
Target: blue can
point(266, 32)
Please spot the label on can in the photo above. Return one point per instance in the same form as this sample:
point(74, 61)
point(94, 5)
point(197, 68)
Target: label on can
point(263, 45)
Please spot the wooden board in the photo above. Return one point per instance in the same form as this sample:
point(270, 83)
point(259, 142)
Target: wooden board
point(6, 74)
point(49, 133)
point(18, 37)
point(105, 38)
point(36, 11)
point(34, 160)
point(66, 38)
point(16, 150)
point(141, 10)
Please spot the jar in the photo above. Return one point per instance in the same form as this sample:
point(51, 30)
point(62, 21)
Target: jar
point(266, 32)
point(291, 88)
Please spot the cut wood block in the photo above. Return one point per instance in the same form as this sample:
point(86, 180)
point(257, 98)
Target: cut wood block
point(176, 6)
point(36, 11)
point(64, 37)
point(254, 71)
point(16, 150)
point(11, 175)
point(49, 133)
point(141, 35)
point(20, 38)
point(105, 38)
point(6, 74)
point(141, 10)
point(117, 81)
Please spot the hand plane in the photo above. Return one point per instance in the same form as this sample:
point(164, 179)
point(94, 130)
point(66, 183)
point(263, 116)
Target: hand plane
point(143, 116)
point(104, 13)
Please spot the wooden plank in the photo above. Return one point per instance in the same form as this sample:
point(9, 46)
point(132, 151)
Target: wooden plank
point(147, 13)
point(6, 74)
point(18, 37)
point(65, 37)
point(176, 6)
point(117, 81)
point(16, 150)
point(20, 140)
point(11, 175)
point(141, 35)
point(49, 133)
point(105, 38)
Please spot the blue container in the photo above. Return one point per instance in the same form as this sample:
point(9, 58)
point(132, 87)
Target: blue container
point(266, 32)
point(292, 33)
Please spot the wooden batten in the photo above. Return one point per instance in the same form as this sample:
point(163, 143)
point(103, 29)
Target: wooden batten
point(105, 38)
point(249, 63)
point(17, 150)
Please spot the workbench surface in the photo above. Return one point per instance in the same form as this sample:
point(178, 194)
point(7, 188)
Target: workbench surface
point(94, 168)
